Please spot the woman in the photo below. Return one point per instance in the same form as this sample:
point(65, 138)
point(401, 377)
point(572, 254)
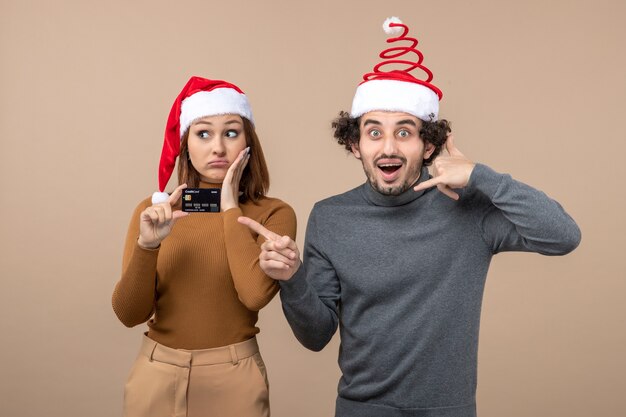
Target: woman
point(195, 277)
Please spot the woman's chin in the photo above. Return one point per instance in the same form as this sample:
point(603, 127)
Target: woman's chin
point(213, 179)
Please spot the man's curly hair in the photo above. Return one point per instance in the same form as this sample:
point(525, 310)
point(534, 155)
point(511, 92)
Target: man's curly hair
point(347, 133)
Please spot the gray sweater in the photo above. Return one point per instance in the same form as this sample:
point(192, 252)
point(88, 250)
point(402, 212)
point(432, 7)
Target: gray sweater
point(404, 278)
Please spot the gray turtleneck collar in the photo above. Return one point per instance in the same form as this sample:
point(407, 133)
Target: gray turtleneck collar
point(379, 199)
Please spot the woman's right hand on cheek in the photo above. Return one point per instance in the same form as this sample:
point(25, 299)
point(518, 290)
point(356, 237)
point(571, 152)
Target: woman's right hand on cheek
point(156, 221)
point(230, 185)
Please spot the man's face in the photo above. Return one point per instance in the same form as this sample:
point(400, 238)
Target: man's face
point(391, 151)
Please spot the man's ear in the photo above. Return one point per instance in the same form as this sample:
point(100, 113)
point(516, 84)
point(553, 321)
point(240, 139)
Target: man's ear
point(355, 150)
point(429, 148)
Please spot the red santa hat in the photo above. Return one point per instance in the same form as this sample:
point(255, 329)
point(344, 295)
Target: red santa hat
point(199, 98)
point(397, 89)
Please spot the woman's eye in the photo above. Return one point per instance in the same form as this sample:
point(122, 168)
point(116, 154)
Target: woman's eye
point(203, 134)
point(232, 134)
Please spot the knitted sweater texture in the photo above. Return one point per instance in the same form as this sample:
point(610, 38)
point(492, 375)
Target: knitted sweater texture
point(403, 277)
point(203, 287)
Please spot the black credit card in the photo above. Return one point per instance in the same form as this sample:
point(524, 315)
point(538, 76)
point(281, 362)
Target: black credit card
point(201, 200)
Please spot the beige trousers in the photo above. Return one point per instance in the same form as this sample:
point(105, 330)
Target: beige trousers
point(229, 381)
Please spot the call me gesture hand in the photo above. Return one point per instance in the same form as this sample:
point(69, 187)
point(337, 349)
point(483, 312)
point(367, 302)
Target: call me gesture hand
point(280, 257)
point(451, 171)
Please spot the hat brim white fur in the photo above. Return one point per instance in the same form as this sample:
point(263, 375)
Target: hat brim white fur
point(212, 103)
point(400, 96)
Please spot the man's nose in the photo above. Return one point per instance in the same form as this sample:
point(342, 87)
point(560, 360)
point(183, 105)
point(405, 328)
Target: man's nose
point(390, 145)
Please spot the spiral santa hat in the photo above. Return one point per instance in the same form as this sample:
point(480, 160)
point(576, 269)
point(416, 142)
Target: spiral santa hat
point(398, 89)
point(199, 98)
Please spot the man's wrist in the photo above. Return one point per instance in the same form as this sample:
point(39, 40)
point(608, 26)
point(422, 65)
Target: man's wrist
point(296, 285)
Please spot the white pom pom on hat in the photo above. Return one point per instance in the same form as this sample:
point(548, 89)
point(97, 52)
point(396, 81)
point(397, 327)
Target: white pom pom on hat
point(159, 197)
point(389, 30)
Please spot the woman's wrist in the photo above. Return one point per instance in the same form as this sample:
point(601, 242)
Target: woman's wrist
point(147, 246)
point(228, 204)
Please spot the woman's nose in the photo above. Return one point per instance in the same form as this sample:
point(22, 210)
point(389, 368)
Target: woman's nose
point(218, 147)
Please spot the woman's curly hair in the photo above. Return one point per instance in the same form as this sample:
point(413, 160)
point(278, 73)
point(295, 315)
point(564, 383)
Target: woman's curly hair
point(347, 133)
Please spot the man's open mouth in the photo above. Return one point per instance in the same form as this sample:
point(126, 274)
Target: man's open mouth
point(390, 168)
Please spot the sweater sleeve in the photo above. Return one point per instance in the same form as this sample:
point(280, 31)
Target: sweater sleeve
point(134, 294)
point(521, 218)
point(310, 299)
point(243, 247)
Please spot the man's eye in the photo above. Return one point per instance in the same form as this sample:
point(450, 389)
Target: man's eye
point(404, 133)
point(375, 133)
point(232, 134)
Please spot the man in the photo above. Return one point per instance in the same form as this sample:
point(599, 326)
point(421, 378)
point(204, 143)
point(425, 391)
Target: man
point(401, 260)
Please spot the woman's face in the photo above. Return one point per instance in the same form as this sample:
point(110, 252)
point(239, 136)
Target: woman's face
point(214, 143)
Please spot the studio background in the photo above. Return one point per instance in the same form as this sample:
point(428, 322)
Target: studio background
point(533, 88)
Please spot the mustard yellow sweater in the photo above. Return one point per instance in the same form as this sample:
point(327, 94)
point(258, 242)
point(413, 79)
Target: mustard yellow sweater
point(203, 286)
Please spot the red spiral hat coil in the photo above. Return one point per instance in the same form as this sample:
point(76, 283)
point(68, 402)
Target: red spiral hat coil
point(389, 56)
